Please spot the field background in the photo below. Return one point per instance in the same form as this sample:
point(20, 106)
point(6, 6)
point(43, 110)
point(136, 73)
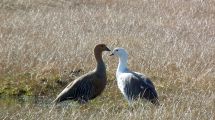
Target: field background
point(44, 45)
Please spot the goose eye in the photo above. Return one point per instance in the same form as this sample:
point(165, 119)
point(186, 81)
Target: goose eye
point(117, 50)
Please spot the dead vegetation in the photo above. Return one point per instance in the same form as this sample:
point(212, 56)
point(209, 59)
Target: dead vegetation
point(173, 42)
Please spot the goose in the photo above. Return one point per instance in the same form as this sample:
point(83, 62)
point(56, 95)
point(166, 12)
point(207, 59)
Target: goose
point(90, 85)
point(133, 85)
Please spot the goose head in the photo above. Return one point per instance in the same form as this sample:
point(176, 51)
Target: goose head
point(101, 48)
point(120, 52)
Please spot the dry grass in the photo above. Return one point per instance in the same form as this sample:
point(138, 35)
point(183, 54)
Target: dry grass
point(173, 42)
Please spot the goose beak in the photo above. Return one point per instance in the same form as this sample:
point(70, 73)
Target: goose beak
point(107, 49)
point(111, 54)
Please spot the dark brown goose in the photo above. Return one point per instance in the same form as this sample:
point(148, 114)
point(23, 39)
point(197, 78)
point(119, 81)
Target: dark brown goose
point(89, 85)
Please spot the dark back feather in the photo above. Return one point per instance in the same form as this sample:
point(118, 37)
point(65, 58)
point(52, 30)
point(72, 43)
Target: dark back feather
point(140, 87)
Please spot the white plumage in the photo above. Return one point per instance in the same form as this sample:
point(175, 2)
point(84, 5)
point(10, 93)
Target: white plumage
point(133, 85)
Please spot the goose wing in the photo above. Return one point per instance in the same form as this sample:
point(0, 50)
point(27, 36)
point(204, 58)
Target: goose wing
point(139, 86)
point(81, 88)
point(145, 79)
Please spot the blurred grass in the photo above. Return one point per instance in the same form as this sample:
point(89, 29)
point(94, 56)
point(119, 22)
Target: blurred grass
point(172, 42)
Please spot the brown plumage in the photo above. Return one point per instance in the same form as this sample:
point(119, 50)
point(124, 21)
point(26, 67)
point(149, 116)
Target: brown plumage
point(89, 85)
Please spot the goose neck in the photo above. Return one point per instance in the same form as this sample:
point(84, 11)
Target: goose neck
point(122, 65)
point(100, 64)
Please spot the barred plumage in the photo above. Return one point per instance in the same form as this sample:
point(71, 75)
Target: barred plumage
point(133, 85)
point(89, 85)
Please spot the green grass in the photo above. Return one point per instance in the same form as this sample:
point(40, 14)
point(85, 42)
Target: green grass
point(172, 42)
point(24, 84)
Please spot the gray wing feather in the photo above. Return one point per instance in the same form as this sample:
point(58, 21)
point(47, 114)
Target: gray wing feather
point(145, 79)
point(81, 88)
point(140, 86)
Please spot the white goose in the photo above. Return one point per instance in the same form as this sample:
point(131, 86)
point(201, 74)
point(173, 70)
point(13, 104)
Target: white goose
point(133, 85)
